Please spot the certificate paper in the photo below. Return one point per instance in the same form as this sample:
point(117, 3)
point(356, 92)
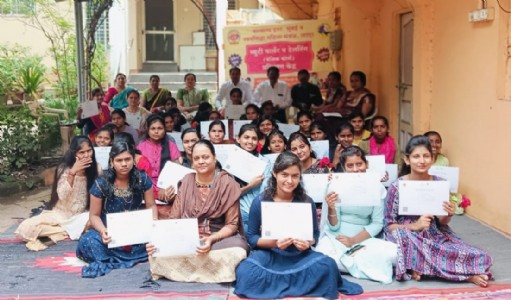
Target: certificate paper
point(89, 109)
point(417, 197)
point(332, 114)
point(102, 155)
point(129, 228)
point(176, 136)
point(171, 174)
point(392, 172)
point(286, 220)
point(175, 237)
point(321, 148)
point(222, 152)
point(236, 126)
point(451, 174)
point(244, 165)
point(315, 186)
point(234, 112)
point(272, 157)
point(376, 164)
point(204, 129)
point(288, 129)
point(357, 189)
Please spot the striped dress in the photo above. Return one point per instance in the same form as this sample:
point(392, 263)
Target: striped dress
point(435, 251)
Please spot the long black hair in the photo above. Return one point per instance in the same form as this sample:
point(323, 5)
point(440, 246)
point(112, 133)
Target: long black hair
point(68, 160)
point(285, 160)
point(135, 184)
point(124, 137)
point(351, 151)
point(300, 136)
point(249, 127)
point(414, 142)
point(165, 151)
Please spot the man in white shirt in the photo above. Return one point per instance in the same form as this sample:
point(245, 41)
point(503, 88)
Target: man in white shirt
point(275, 90)
point(225, 89)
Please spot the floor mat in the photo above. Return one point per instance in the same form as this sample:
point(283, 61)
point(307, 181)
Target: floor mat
point(55, 273)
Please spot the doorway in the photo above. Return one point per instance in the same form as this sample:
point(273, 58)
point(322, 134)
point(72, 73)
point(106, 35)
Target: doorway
point(405, 80)
point(159, 31)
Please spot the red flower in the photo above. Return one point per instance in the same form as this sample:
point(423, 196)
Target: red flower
point(465, 202)
point(324, 162)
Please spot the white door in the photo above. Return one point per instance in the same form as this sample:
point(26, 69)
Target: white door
point(159, 30)
point(405, 80)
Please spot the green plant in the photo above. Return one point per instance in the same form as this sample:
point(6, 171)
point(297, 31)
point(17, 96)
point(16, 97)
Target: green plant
point(70, 104)
point(30, 80)
point(13, 59)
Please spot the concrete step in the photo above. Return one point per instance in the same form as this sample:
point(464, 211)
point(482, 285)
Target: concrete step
point(160, 67)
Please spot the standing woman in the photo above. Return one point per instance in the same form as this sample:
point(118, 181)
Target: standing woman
point(119, 120)
point(159, 149)
point(211, 196)
point(189, 137)
point(69, 197)
point(418, 237)
point(122, 188)
point(93, 124)
point(346, 227)
point(301, 147)
point(154, 96)
point(287, 267)
point(116, 96)
point(216, 132)
point(189, 97)
point(135, 115)
point(380, 142)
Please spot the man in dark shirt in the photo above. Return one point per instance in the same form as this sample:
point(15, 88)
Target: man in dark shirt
point(305, 94)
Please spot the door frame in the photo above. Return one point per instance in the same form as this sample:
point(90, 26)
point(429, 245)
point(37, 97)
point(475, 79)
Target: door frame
point(405, 90)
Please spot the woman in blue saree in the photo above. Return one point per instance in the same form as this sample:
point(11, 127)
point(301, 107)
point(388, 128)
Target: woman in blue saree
point(116, 96)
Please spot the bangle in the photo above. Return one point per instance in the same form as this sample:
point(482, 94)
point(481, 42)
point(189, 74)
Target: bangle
point(333, 215)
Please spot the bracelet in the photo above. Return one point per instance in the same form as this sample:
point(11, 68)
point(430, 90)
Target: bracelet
point(334, 215)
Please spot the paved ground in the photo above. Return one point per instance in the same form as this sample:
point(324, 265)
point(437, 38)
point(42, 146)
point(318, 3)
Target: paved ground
point(14, 208)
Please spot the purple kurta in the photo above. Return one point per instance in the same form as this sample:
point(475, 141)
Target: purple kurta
point(435, 251)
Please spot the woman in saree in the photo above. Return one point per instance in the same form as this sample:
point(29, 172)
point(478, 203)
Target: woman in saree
point(154, 96)
point(116, 96)
point(212, 196)
point(92, 124)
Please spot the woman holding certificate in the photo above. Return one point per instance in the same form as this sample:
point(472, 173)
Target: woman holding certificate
point(287, 267)
point(212, 197)
point(347, 229)
point(299, 144)
point(426, 244)
point(122, 188)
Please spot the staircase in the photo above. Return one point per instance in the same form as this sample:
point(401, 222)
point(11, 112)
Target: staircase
point(174, 80)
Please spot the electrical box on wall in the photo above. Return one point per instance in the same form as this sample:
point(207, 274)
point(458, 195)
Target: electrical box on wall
point(481, 15)
point(336, 40)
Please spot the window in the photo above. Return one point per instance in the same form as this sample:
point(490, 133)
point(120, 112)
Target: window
point(16, 7)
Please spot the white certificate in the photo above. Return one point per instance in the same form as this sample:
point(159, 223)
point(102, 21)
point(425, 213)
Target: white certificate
point(417, 197)
point(175, 237)
point(234, 112)
point(129, 228)
point(332, 114)
point(89, 109)
point(204, 129)
point(392, 172)
point(286, 220)
point(376, 164)
point(357, 189)
point(288, 129)
point(236, 126)
point(171, 174)
point(176, 136)
point(321, 148)
point(315, 186)
point(451, 174)
point(272, 157)
point(222, 152)
point(102, 155)
point(244, 165)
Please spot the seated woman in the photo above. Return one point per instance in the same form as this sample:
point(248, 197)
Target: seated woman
point(380, 142)
point(418, 237)
point(344, 139)
point(119, 120)
point(154, 97)
point(304, 119)
point(217, 132)
point(69, 198)
point(266, 124)
point(301, 147)
point(93, 124)
point(357, 120)
point(141, 162)
point(436, 146)
point(252, 113)
point(122, 188)
point(104, 137)
point(287, 267)
point(275, 143)
point(189, 97)
point(189, 137)
point(136, 115)
point(211, 196)
point(158, 149)
point(347, 227)
point(335, 94)
point(359, 99)
point(116, 96)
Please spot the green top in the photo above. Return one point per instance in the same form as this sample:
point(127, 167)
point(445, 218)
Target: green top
point(441, 160)
point(193, 97)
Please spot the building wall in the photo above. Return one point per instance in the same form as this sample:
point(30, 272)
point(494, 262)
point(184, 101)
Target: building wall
point(462, 85)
